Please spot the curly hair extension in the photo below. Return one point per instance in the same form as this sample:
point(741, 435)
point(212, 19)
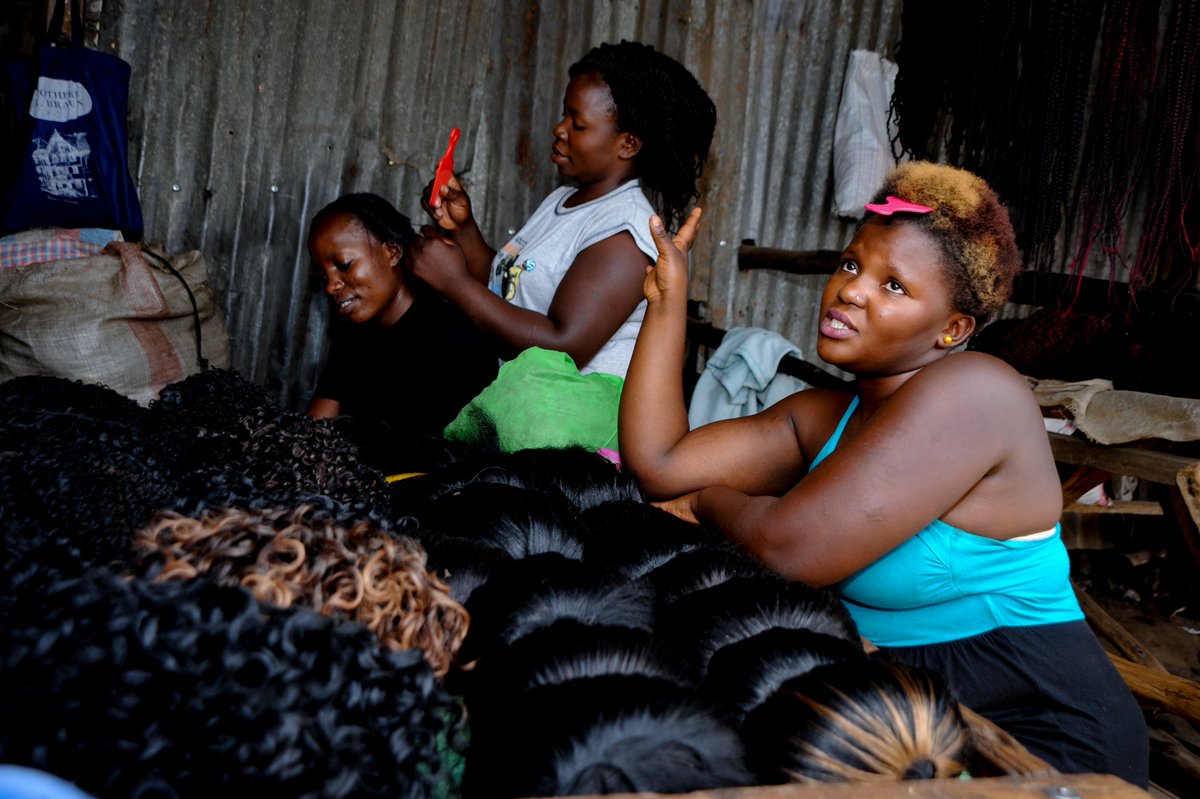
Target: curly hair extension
point(970, 226)
point(858, 721)
point(1175, 163)
point(228, 435)
point(302, 557)
point(190, 689)
point(78, 473)
point(658, 100)
point(1111, 162)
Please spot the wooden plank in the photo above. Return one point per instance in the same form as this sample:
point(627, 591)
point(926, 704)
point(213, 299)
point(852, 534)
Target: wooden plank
point(1174, 757)
point(1178, 695)
point(1128, 507)
point(1147, 464)
point(793, 262)
point(1058, 786)
point(1083, 480)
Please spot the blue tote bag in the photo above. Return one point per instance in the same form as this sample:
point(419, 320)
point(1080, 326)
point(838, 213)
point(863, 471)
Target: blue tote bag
point(71, 165)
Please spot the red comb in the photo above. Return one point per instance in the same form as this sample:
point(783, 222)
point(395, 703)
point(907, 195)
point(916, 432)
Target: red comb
point(445, 169)
point(895, 204)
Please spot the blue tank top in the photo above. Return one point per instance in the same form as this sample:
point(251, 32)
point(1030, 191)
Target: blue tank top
point(944, 583)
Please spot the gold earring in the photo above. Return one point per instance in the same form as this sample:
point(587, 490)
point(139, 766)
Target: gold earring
point(948, 339)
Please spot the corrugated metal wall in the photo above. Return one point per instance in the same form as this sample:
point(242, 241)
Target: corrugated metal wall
point(248, 115)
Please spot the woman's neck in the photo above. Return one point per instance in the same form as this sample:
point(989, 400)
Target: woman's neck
point(875, 390)
point(398, 306)
point(586, 192)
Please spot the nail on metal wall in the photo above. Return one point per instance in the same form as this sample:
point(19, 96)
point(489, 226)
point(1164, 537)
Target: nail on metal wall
point(247, 116)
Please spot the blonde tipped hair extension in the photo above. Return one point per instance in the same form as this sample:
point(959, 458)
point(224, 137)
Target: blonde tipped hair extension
point(859, 721)
point(300, 557)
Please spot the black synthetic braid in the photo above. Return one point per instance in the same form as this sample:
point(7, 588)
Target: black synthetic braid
point(1056, 64)
point(917, 99)
point(984, 97)
point(1112, 164)
point(1173, 169)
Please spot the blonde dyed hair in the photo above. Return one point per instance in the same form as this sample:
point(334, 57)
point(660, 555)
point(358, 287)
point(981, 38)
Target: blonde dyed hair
point(969, 224)
point(301, 557)
point(859, 721)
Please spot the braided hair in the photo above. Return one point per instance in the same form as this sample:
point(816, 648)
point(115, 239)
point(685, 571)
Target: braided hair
point(1110, 166)
point(1174, 175)
point(658, 100)
point(377, 216)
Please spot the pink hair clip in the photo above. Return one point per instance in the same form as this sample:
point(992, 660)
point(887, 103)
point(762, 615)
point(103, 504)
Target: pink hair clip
point(895, 204)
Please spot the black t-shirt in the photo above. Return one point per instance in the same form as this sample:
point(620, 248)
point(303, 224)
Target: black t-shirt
point(413, 377)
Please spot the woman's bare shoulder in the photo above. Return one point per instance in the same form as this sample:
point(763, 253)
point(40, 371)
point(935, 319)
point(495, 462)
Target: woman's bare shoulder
point(970, 391)
point(976, 374)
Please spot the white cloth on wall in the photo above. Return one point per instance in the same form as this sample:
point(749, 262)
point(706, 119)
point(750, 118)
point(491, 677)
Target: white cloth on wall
point(741, 377)
point(862, 149)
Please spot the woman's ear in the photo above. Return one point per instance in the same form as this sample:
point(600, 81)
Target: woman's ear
point(395, 252)
point(958, 330)
point(631, 145)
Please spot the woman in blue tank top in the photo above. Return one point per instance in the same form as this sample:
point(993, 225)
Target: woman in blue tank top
point(929, 500)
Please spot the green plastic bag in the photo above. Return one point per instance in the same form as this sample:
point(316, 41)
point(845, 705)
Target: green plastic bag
point(539, 399)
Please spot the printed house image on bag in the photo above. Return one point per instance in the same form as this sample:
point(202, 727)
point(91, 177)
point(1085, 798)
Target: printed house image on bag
point(62, 166)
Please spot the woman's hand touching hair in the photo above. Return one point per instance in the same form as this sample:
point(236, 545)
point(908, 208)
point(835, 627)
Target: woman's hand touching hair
point(669, 274)
point(437, 260)
point(453, 213)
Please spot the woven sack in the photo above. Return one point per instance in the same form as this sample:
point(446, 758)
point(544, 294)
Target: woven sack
point(119, 319)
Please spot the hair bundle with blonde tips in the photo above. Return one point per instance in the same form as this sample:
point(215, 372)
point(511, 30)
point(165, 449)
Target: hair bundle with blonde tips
point(297, 556)
point(859, 721)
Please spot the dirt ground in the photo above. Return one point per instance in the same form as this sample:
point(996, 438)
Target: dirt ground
point(1141, 572)
point(1173, 639)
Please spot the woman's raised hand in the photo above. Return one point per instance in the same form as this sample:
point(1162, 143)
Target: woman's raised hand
point(669, 274)
point(437, 260)
point(453, 213)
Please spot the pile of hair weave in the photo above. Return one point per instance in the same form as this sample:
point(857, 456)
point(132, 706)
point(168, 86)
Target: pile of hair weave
point(187, 687)
point(131, 688)
point(644, 654)
point(272, 626)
